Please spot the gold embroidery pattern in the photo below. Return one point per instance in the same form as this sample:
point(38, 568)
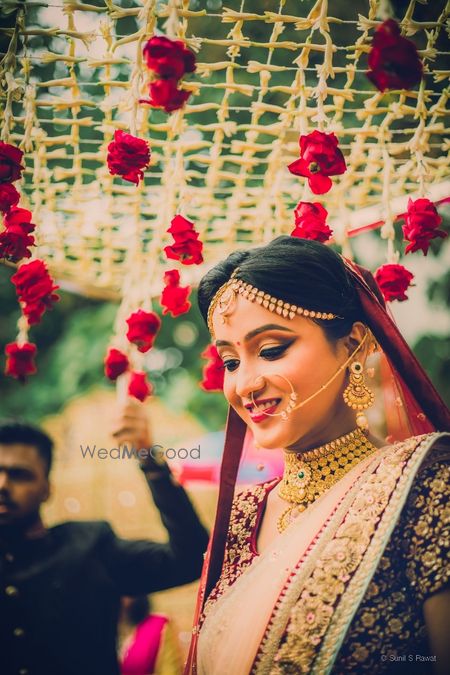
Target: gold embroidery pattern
point(390, 620)
point(430, 536)
point(424, 454)
point(340, 559)
point(300, 576)
point(238, 551)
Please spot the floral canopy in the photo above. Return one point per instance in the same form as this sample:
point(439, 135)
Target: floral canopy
point(262, 76)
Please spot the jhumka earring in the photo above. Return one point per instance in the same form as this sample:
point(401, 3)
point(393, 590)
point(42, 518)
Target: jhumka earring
point(357, 395)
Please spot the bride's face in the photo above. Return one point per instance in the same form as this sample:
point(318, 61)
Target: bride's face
point(255, 342)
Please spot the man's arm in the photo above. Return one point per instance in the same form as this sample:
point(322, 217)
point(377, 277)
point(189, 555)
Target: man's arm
point(144, 566)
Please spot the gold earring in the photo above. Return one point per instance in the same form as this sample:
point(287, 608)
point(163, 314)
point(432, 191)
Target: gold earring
point(357, 395)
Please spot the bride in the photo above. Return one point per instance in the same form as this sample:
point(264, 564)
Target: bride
point(341, 564)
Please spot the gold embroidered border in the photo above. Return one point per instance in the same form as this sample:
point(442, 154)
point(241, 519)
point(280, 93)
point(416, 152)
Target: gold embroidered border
point(242, 523)
point(280, 616)
point(357, 587)
point(335, 556)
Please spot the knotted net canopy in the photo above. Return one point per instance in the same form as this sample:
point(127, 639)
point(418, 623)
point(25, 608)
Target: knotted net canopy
point(267, 72)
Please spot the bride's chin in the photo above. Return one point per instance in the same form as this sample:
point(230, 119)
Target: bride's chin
point(276, 439)
point(269, 441)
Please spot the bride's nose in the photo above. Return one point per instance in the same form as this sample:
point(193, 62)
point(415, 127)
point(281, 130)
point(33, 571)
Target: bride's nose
point(248, 382)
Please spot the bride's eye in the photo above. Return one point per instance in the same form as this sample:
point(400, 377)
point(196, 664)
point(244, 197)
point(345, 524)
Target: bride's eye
point(230, 364)
point(272, 353)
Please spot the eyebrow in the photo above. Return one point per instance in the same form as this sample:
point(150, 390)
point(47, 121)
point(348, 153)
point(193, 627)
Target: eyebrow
point(256, 331)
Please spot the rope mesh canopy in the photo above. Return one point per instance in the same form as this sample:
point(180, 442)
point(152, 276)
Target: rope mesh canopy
point(267, 72)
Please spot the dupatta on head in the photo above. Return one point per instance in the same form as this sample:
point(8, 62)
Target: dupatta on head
point(412, 407)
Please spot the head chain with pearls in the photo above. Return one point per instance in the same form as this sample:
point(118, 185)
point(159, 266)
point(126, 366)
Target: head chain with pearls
point(238, 286)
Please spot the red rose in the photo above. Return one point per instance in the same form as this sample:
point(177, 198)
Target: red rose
point(421, 225)
point(127, 156)
point(142, 329)
point(8, 197)
point(10, 166)
point(139, 386)
point(310, 222)
point(213, 371)
point(34, 288)
point(165, 94)
point(171, 278)
point(174, 297)
point(169, 58)
point(320, 158)
point(393, 280)
point(19, 360)
point(18, 217)
point(116, 363)
point(13, 244)
point(188, 252)
point(180, 226)
point(393, 60)
point(186, 247)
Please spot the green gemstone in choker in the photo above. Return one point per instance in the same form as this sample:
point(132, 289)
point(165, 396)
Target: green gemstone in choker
point(308, 475)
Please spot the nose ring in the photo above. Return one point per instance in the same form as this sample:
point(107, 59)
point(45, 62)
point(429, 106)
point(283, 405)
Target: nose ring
point(292, 399)
point(259, 382)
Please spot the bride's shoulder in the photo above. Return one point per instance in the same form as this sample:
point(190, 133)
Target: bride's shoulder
point(256, 488)
point(253, 494)
point(431, 447)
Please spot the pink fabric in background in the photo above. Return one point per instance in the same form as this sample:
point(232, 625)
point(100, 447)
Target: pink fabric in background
point(140, 657)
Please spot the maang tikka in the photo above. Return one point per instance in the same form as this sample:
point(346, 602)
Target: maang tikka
point(357, 394)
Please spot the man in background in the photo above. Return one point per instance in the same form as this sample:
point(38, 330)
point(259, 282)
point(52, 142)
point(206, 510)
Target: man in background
point(60, 587)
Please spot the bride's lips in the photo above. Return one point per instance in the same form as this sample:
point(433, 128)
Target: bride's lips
point(261, 415)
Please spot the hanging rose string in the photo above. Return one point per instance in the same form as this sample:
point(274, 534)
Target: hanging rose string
point(174, 298)
point(170, 61)
point(187, 248)
point(34, 286)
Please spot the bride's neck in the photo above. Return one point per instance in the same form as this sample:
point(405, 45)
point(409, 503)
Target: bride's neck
point(320, 437)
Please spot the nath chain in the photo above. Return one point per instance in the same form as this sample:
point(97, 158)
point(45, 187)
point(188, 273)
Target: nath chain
point(293, 395)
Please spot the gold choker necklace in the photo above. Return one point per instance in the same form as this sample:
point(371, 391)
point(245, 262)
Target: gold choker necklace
point(307, 475)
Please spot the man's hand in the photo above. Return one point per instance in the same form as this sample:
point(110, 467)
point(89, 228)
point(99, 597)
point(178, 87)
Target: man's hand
point(132, 426)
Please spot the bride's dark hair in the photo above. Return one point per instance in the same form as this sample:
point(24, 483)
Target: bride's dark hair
point(302, 272)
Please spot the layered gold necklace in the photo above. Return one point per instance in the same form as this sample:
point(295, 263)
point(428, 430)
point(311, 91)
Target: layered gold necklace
point(307, 475)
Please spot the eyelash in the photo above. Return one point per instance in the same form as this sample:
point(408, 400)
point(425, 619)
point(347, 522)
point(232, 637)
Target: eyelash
point(271, 354)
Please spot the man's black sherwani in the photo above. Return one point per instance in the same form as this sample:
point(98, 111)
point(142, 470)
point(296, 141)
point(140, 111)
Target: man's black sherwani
point(60, 593)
